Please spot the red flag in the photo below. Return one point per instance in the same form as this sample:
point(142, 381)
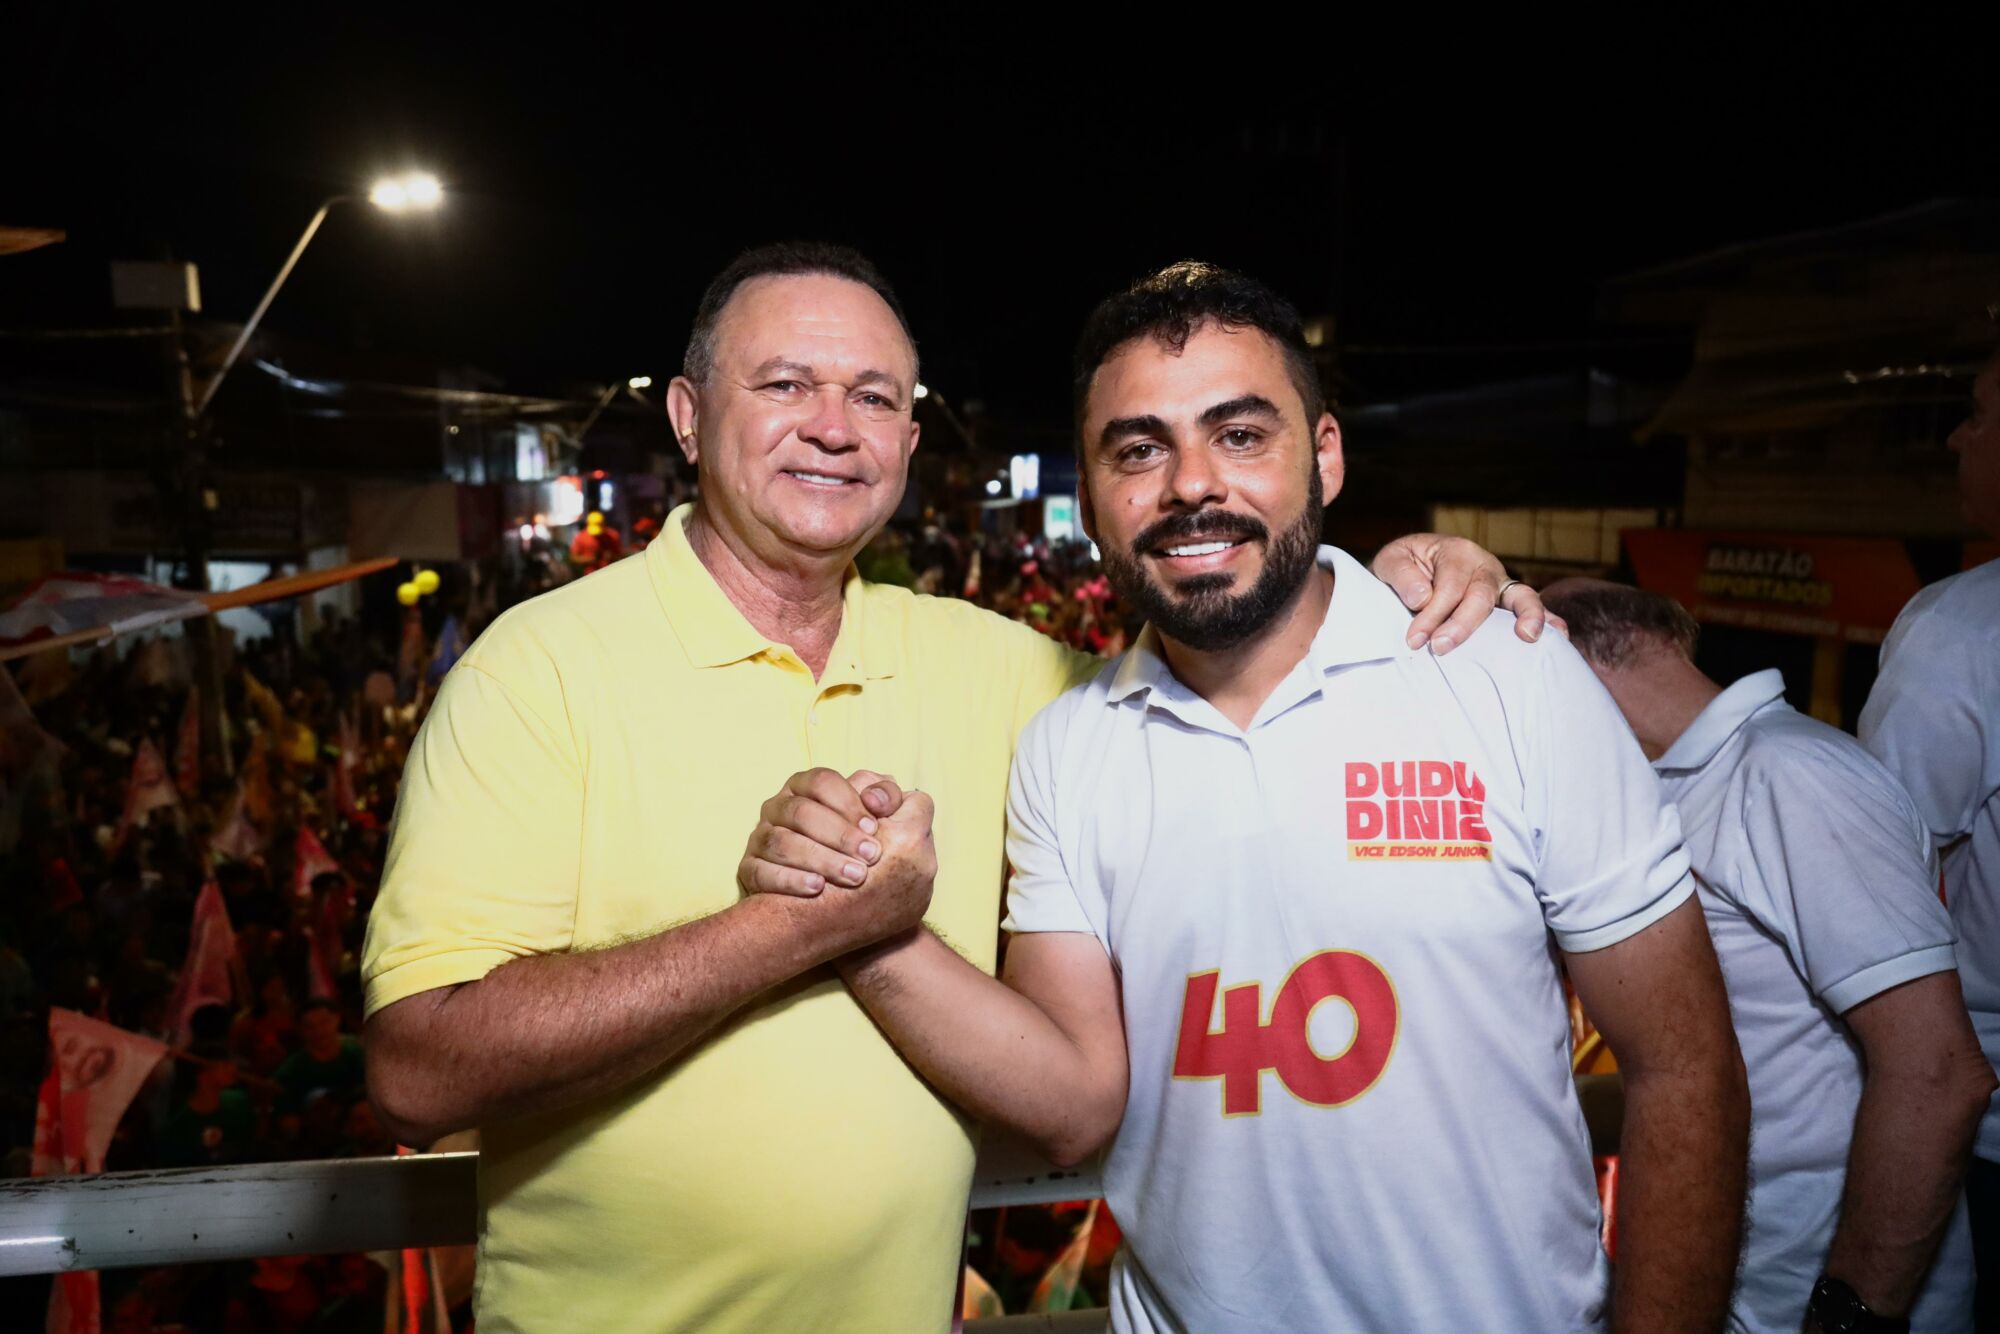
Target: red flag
point(147, 790)
point(1607, 1198)
point(416, 1297)
point(310, 859)
point(187, 750)
point(205, 973)
point(74, 1307)
point(95, 1070)
point(321, 972)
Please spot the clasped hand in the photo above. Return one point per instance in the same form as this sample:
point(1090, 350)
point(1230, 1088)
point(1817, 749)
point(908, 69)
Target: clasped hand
point(859, 844)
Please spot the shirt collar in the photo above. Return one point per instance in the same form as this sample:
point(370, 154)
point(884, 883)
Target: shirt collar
point(1721, 720)
point(716, 634)
point(1365, 622)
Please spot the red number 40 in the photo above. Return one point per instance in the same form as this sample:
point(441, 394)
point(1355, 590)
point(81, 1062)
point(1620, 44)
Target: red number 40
point(1245, 1048)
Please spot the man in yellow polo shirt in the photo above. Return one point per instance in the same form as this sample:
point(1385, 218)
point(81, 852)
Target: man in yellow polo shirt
point(689, 1124)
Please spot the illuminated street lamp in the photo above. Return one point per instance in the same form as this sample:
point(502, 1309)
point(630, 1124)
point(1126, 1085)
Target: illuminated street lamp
point(411, 192)
point(632, 386)
point(399, 194)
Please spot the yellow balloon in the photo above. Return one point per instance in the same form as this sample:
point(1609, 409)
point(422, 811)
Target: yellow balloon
point(426, 582)
point(407, 594)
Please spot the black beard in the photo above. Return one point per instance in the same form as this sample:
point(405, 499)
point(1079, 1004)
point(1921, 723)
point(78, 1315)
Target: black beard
point(1199, 611)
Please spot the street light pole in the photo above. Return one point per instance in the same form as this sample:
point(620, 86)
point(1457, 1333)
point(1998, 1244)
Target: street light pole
point(633, 385)
point(270, 293)
point(394, 195)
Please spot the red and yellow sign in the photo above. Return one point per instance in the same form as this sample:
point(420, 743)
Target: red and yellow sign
point(1835, 587)
point(1416, 810)
point(1246, 1046)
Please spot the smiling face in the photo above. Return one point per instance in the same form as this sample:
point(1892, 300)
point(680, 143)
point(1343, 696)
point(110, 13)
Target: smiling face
point(1205, 482)
point(1977, 444)
point(802, 430)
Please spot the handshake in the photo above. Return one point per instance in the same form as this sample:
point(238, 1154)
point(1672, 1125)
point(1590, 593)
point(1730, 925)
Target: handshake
point(859, 845)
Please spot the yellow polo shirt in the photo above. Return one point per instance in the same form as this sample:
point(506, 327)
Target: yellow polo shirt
point(590, 773)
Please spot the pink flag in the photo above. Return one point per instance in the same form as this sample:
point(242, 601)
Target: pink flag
point(311, 859)
point(236, 839)
point(187, 750)
point(205, 973)
point(1061, 1286)
point(96, 1070)
point(323, 941)
point(147, 790)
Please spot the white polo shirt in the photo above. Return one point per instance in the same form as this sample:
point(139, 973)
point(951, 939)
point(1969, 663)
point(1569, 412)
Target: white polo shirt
point(1934, 720)
point(1820, 888)
point(1408, 835)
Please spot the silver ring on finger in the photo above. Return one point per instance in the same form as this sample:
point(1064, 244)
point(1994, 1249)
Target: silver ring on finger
point(1500, 598)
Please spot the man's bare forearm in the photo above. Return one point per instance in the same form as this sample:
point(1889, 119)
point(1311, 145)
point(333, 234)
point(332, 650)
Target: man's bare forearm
point(1682, 1155)
point(991, 1050)
point(1912, 1141)
point(551, 1030)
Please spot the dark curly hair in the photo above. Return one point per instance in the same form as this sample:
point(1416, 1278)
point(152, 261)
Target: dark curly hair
point(1169, 306)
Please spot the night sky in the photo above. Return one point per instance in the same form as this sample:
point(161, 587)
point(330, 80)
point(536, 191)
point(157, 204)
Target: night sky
point(1451, 197)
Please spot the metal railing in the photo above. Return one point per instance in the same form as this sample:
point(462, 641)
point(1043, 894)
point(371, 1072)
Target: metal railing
point(195, 1215)
point(198, 1215)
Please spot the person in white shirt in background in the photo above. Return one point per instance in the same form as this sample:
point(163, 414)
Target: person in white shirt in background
point(1274, 801)
point(1934, 719)
point(1820, 890)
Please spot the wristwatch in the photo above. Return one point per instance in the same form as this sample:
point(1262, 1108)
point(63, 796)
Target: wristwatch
point(1839, 1310)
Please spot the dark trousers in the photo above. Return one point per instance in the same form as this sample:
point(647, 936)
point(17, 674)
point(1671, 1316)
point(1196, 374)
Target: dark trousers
point(1982, 1202)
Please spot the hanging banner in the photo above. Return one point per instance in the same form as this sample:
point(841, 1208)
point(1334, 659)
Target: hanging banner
point(1837, 587)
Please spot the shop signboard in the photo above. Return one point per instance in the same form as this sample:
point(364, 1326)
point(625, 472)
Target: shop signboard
point(1847, 588)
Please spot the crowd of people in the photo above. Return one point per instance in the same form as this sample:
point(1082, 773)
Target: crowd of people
point(1054, 586)
point(290, 825)
point(192, 937)
point(107, 862)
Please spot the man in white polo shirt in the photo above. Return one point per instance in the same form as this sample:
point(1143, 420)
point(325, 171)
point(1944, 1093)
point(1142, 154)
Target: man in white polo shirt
point(1273, 802)
point(1934, 720)
point(1820, 889)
